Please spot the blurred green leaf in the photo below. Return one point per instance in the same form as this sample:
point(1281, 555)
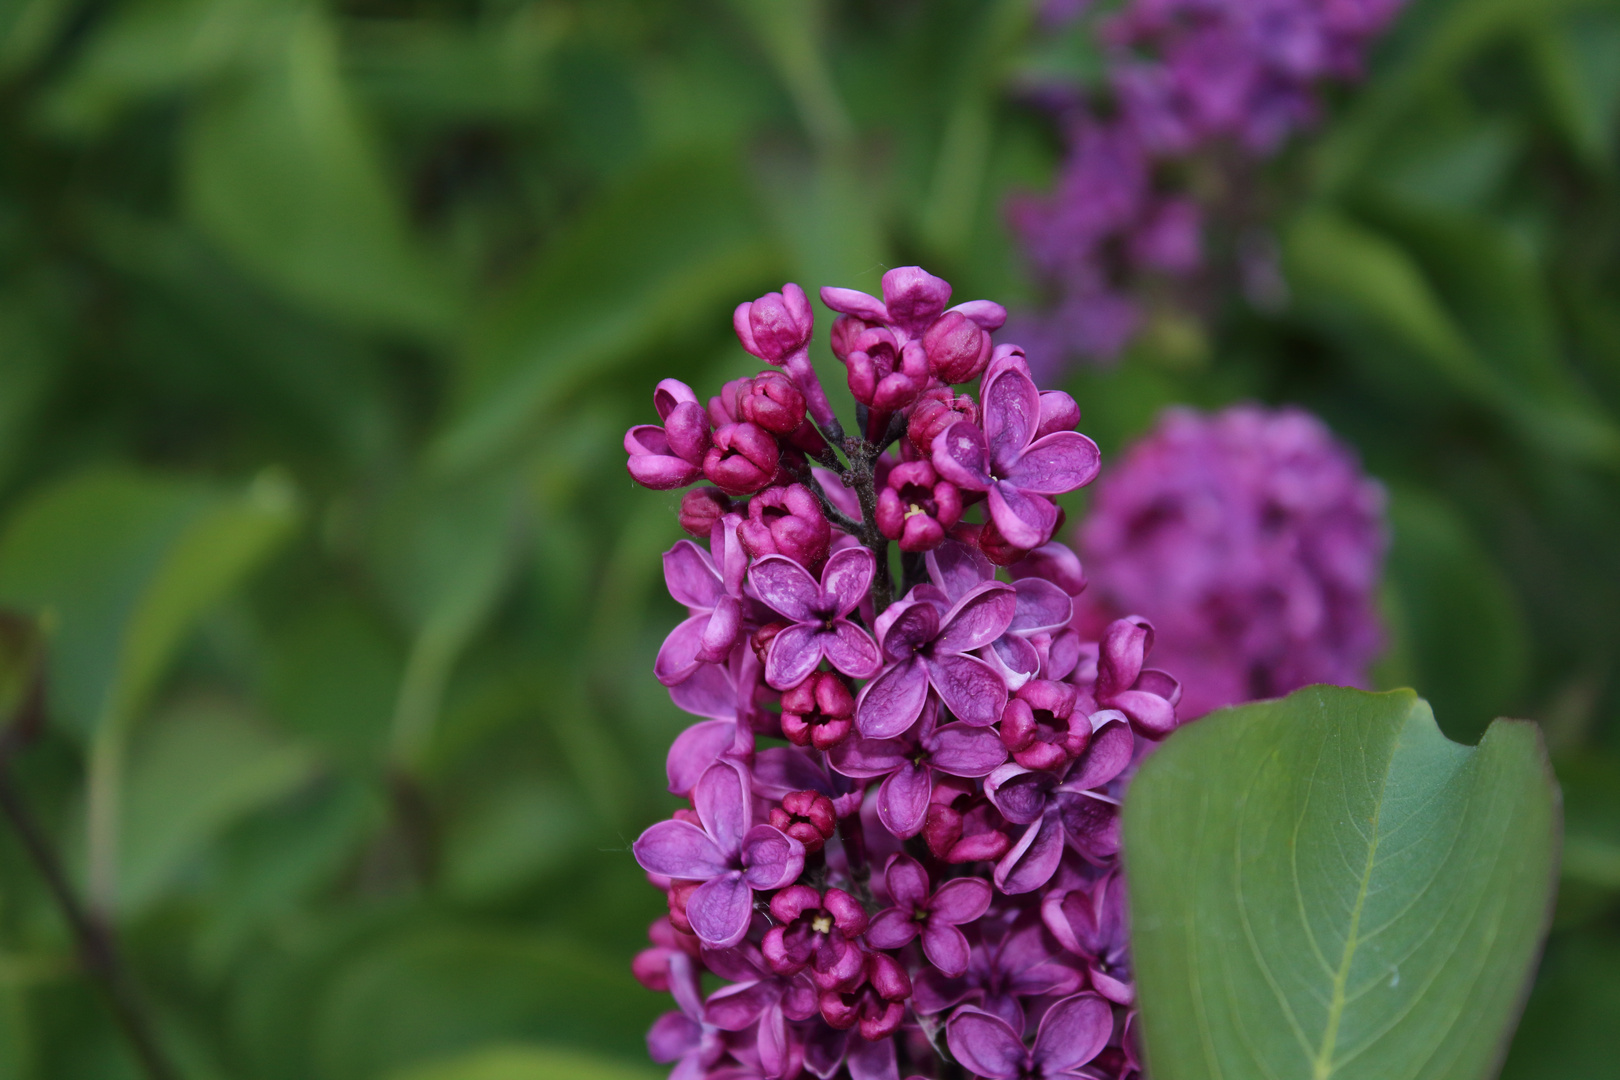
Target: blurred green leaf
point(667, 250)
point(527, 1063)
point(511, 835)
point(1568, 1027)
point(27, 29)
point(446, 990)
point(1578, 62)
point(119, 565)
point(1325, 886)
point(280, 170)
point(29, 370)
point(333, 671)
point(193, 772)
point(1591, 784)
point(1458, 616)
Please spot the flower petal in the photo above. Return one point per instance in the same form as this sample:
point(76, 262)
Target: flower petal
point(722, 801)
point(794, 654)
point(1106, 756)
point(1019, 793)
point(786, 587)
point(1011, 411)
point(985, 1045)
point(708, 691)
point(903, 800)
point(960, 901)
point(1025, 520)
point(1041, 605)
point(771, 858)
point(735, 1007)
point(892, 928)
point(965, 750)
point(969, 687)
point(982, 614)
point(851, 650)
point(694, 750)
point(961, 456)
point(720, 908)
point(946, 947)
point(957, 567)
point(906, 627)
point(691, 576)
point(1060, 462)
point(671, 1037)
point(679, 849)
point(847, 577)
point(863, 306)
point(678, 656)
point(1032, 861)
point(872, 1060)
point(861, 757)
point(1072, 1032)
point(890, 704)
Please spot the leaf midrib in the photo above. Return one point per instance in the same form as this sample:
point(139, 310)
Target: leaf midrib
point(1322, 1065)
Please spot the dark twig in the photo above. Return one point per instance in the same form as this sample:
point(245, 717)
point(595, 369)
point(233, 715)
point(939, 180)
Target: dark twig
point(98, 951)
point(840, 519)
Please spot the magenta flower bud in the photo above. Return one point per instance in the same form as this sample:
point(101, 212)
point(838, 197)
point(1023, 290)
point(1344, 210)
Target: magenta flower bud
point(687, 428)
point(818, 712)
point(808, 817)
point(772, 401)
point(1041, 726)
point(888, 978)
point(1058, 413)
point(917, 507)
point(775, 326)
point(846, 330)
point(653, 463)
point(937, 410)
point(914, 298)
point(725, 407)
point(670, 393)
point(957, 348)
point(701, 508)
point(995, 546)
point(742, 460)
point(787, 521)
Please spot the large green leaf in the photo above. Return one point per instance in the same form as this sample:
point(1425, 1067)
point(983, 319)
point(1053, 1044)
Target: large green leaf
point(1326, 887)
point(281, 171)
point(120, 565)
point(528, 1063)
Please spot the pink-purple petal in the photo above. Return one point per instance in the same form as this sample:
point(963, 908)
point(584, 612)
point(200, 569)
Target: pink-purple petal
point(861, 757)
point(985, 1045)
point(678, 657)
point(1012, 411)
point(671, 1037)
point(965, 750)
point(854, 302)
point(1072, 1032)
point(691, 577)
point(892, 928)
point(961, 457)
point(959, 901)
point(724, 804)
point(872, 1060)
point(906, 627)
point(1025, 520)
point(1041, 606)
point(1032, 861)
point(1061, 462)
point(903, 800)
point(694, 750)
point(946, 947)
point(771, 859)
point(794, 654)
point(735, 1007)
point(982, 614)
point(847, 577)
point(890, 704)
point(785, 587)
point(969, 687)
point(719, 909)
point(679, 849)
point(851, 650)
point(1106, 757)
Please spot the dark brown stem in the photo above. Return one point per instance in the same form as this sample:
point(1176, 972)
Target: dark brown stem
point(417, 825)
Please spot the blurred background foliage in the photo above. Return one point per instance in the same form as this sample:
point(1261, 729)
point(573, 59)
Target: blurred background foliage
point(320, 326)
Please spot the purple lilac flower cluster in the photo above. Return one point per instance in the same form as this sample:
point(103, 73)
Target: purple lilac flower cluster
point(1193, 91)
point(1253, 541)
point(901, 845)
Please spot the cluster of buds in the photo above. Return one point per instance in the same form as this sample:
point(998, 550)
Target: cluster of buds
point(899, 848)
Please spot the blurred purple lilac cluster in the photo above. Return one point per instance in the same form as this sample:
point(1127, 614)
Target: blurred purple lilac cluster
point(1253, 541)
point(899, 849)
point(1194, 92)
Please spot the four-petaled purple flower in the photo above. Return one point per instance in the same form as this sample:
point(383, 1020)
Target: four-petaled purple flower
point(713, 598)
point(926, 645)
point(685, 1037)
point(819, 614)
point(727, 852)
point(1012, 459)
point(908, 764)
point(936, 916)
point(1090, 921)
point(1072, 1032)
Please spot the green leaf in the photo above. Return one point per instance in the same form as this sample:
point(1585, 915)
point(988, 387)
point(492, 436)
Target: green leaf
point(1325, 888)
point(1568, 1028)
point(528, 1063)
point(281, 172)
point(119, 565)
point(194, 772)
point(672, 248)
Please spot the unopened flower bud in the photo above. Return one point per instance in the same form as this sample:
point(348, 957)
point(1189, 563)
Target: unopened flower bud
point(787, 521)
point(742, 460)
point(670, 393)
point(679, 893)
point(687, 428)
point(935, 411)
point(1058, 413)
point(772, 401)
point(818, 712)
point(653, 462)
point(807, 816)
point(760, 640)
point(701, 508)
point(916, 507)
point(957, 349)
point(725, 407)
point(775, 326)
